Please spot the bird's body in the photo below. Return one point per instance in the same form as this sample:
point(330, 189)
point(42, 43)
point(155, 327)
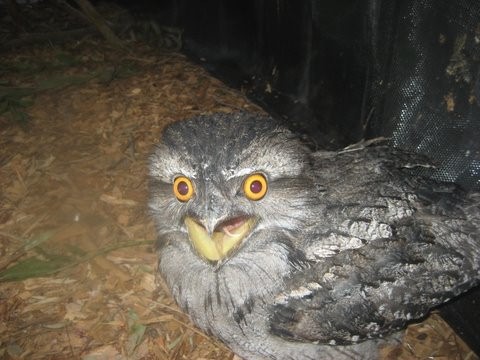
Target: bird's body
point(321, 255)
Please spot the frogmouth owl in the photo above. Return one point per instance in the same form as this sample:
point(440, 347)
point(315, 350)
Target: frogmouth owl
point(286, 253)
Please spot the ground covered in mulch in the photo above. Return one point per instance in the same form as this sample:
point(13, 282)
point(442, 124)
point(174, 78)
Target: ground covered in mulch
point(77, 265)
point(73, 182)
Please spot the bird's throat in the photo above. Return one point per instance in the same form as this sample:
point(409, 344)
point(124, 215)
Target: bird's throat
point(224, 240)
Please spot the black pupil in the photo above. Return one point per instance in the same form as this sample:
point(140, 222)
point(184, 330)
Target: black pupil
point(182, 188)
point(256, 186)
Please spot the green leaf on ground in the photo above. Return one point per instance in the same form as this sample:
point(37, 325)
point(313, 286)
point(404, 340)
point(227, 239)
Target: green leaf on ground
point(34, 267)
point(136, 332)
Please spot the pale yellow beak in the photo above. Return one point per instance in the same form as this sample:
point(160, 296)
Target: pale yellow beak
point(222, 242)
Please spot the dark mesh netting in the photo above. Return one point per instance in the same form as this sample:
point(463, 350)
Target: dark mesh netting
point(346, 70)
point(426, 82)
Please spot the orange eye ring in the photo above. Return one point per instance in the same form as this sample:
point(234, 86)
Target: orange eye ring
point(183, 188)
point(255, 186)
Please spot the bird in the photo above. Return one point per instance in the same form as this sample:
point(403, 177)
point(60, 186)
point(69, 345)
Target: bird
point(284, 252)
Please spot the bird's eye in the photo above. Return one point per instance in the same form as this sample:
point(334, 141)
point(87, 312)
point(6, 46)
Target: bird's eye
point(255, 186)
point(183, 188)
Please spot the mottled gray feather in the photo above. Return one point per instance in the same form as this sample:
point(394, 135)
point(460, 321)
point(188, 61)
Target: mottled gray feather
point(349, 246)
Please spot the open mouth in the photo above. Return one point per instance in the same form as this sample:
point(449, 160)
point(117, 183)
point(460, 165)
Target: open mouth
point(226, 237)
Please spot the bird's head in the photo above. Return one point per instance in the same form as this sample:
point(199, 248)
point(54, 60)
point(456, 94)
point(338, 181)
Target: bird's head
point(220, 179)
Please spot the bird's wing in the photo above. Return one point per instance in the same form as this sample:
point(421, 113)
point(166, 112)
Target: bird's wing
point(391, 247)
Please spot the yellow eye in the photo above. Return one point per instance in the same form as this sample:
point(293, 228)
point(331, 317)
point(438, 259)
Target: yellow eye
point(183, 188)
point(255, 186)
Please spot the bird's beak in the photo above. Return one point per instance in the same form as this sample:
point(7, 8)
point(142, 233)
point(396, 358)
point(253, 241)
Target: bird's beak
point(226, 237)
